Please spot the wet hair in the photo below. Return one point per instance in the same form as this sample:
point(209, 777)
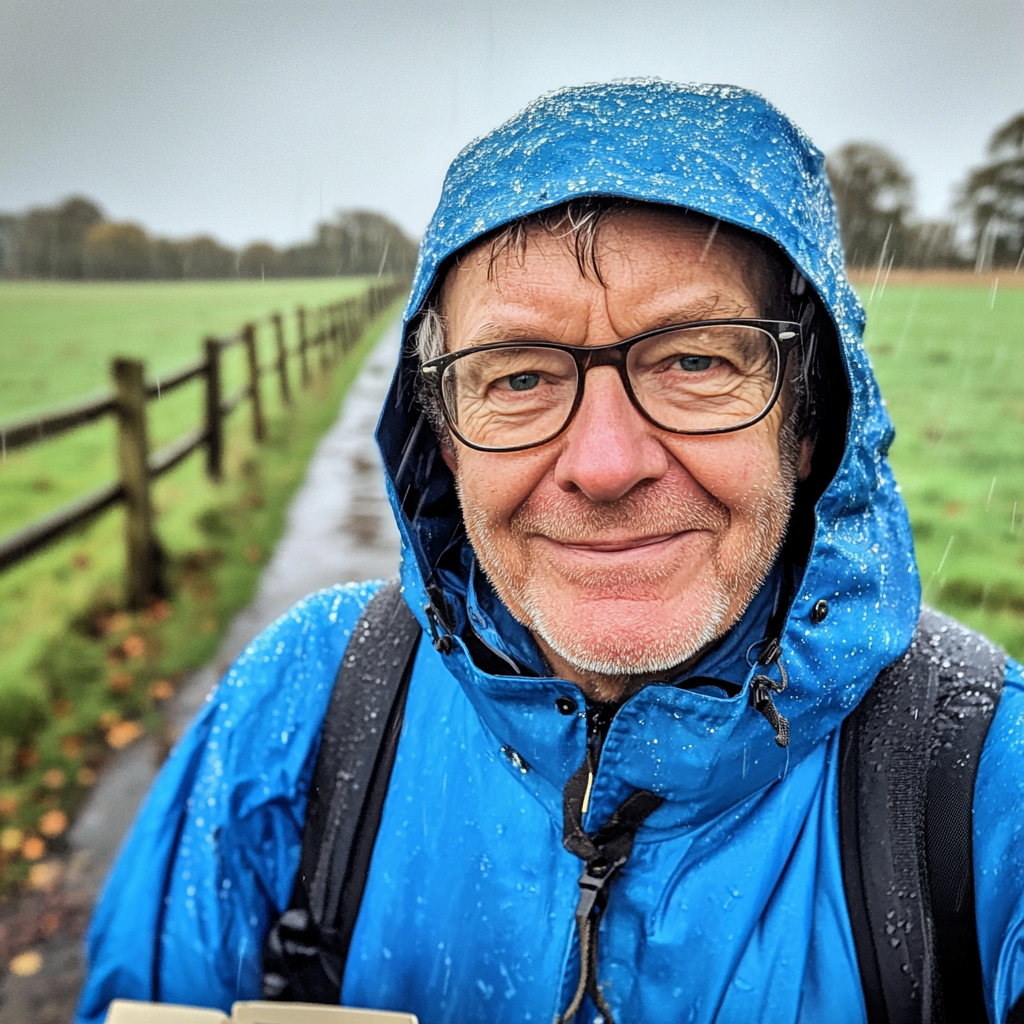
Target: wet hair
point(782, 293)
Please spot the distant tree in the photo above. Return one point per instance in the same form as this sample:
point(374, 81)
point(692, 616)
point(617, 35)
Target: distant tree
point(993, 198)
point(117, 252)
point(168, 260)
point(206, 259)
point(934, 243)
point(260, 260)
point(875, 198)
point(355, 242)
point(10, 227)
point(51, 240)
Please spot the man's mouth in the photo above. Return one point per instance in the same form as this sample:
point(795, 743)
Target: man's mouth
point(624, 549)
point(620, 544)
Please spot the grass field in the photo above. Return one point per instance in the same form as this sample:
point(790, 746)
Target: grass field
point(57, 339)
point(950, 363)
point(79, 675)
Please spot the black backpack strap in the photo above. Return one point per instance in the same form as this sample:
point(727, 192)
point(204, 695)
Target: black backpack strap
point(908, 761)
point(306, 948)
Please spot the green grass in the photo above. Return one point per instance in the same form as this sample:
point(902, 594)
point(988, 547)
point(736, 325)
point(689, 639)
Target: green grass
point(57, 339)
point(950, 363)
point(75, 668)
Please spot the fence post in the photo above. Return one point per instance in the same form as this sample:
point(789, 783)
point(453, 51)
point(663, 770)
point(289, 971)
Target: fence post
point(321, 337)
point(214, 421)
point(303, 346)
point(141, 550)
point(282, 360)
point(351, 327)
point(259, 426)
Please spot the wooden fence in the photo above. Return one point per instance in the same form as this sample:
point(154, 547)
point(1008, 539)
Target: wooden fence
point(327, 333)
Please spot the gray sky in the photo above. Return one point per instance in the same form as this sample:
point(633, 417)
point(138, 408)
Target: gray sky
point(250, 119)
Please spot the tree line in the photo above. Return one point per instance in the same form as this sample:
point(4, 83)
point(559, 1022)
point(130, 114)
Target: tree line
point(874, 196)
point(74, 240)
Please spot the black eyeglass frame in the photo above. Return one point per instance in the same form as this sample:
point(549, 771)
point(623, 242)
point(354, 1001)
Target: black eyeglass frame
point(785, 335)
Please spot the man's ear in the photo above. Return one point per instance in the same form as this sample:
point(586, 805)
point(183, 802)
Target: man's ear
point(448, 454)
point(803, 466)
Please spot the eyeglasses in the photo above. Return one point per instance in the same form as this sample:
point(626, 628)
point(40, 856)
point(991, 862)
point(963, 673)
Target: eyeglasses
point(699, 377)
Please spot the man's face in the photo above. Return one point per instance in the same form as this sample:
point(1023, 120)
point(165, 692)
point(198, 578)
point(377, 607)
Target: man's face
point(624, 548)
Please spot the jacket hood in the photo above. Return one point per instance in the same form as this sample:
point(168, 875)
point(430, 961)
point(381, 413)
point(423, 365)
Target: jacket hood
point(729, 154)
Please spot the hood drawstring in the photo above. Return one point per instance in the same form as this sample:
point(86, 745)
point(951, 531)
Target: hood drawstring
point(440, 635)
point(440, 631)
point(763, 686)
point(603, 854)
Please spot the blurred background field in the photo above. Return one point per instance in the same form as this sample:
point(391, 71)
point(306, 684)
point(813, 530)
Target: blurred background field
point(79, 674)
point(949, 357)
point(57, 337)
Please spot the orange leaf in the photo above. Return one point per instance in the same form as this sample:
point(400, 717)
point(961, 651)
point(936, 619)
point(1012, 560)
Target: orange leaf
point(53, 823)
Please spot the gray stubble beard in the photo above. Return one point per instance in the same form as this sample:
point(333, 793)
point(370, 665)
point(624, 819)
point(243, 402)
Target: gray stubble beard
point(622, 656)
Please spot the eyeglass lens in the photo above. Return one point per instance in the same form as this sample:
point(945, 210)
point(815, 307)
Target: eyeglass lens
point(695, 379)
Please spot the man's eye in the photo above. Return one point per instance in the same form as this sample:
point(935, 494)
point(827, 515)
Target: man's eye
point(523, 381)
point(694, 364)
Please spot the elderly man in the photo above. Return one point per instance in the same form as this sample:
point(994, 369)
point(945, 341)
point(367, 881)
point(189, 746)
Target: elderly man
point(647, 735)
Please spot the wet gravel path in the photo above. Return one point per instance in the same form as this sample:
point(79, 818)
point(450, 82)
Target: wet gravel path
point(339, 529)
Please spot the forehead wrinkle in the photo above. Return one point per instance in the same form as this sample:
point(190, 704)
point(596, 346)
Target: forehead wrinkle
point(713, 306)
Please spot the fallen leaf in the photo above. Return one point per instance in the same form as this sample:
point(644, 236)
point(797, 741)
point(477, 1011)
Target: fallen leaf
point(124, 733)
point(134, 646)
point(26, 964)
point(161, 690)
point(115, 623)
point(11, 839)
point(8, 804)
point(120, 682)
point(54, 778)
point(109, 719)
point(71, 746)
point(48, 924)
point(53, 823)
point(45, 876)
point(33, 848)
point(85, 776)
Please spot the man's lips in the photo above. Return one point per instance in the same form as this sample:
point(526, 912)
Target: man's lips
point(623, 547)
point(625, 544)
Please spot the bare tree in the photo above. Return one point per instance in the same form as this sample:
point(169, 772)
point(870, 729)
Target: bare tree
point(993, 197)
point(875, 199)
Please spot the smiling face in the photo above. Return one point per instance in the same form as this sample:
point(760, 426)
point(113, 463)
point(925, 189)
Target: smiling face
point(624, 548)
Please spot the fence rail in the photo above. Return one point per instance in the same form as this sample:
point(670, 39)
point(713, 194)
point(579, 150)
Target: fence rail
point(329, 331)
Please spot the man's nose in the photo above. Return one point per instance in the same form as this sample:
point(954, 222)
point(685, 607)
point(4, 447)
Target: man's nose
point(609, 446)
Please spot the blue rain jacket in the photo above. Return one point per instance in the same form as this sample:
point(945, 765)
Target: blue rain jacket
point(731, 908)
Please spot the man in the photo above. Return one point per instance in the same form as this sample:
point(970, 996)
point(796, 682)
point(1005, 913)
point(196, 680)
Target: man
point(637, 458)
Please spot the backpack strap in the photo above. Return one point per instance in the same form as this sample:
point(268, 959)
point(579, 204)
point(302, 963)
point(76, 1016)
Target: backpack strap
point(305, 950)
point(908, 760)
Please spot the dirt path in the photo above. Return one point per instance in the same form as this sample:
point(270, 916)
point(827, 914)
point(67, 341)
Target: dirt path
point(339, 529)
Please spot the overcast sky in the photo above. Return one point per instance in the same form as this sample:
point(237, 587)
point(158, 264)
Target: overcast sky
point(251, 119)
